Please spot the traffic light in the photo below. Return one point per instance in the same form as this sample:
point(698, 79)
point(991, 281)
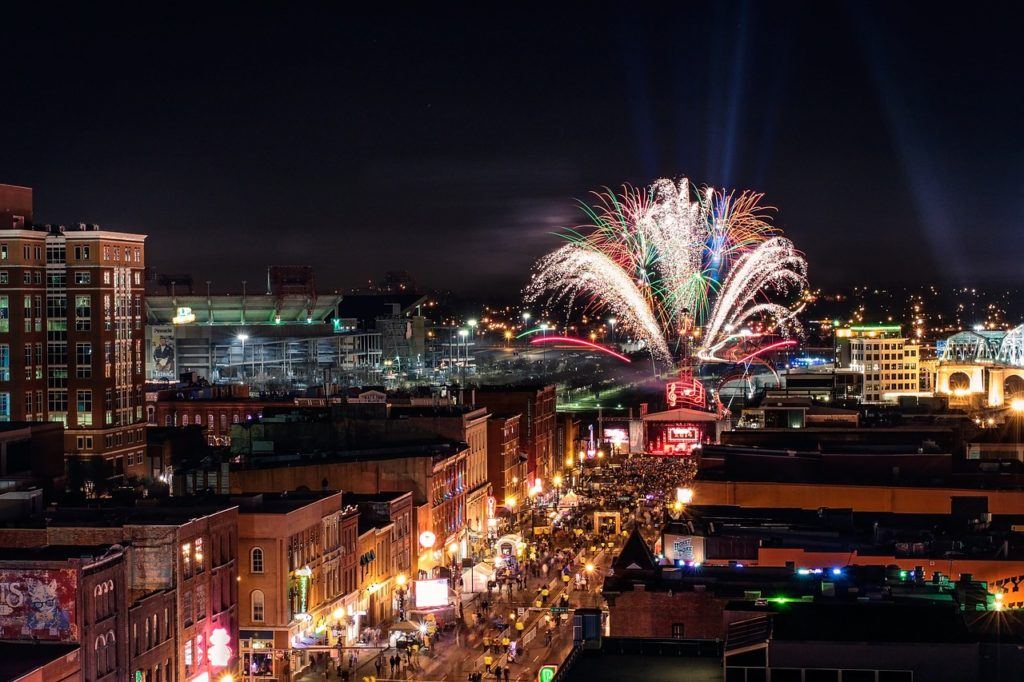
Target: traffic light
point(546, 673)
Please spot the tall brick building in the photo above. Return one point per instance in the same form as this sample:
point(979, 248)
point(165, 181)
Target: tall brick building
point(71, 335)
point(535, 403)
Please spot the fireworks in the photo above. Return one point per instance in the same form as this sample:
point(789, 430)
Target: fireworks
point(668, 259)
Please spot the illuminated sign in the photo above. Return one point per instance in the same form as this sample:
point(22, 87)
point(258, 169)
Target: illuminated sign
point(184, 316)
point(685, 392)
point(431, 593)
point(303, 575)
point(547, 673)
point(219, 653)
point(492, 505)
point(427, 539)
point(682, 434)
point(684, 548)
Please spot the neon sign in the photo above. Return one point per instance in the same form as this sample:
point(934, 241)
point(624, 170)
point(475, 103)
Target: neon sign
point(219, 653)
point(685, 392)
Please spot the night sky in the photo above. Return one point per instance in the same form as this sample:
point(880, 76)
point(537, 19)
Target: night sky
point(452, 143)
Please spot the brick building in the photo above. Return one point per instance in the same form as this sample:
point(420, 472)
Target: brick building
point(71, 594)
point(71, 324)
point(506, 464)
point(213, 408)
point(183, 571)
point(535, 403)
point(394, 508)
point(293, 588)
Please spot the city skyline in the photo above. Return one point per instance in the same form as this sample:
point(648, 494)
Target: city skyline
point(471, 140)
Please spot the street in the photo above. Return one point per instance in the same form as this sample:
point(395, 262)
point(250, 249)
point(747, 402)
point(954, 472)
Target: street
point(636, 488)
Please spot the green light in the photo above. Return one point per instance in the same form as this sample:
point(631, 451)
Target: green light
point(546, 673)
point(781, 600)
point(876, 327)
point(532, 331)
point(903, 575)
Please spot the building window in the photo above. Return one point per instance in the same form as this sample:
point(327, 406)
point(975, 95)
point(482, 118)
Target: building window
point(5, 314)
point(186, 559)
point(83, 312)
point(5, 407)
point(83, 277)
point(83, 359)
point(4, 277)
point(256, 560)
point(677, 630)
point(83, 404)
point(5, 362)
point(199, 555)
point(257, 606)
point(186, 608)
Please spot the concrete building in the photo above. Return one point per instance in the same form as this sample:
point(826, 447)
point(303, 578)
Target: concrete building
point(71, 323)
point(888, 360)
point(288, 336)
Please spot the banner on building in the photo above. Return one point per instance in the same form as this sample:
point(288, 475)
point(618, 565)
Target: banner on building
point(38, 604)
point(683, 548)
point(160, 365)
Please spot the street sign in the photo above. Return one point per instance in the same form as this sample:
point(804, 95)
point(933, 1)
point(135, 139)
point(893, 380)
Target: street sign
point(559, 609)
point(546, 673)
point(520, 610)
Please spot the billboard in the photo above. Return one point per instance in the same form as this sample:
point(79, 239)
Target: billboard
point(160, 365)
point(431, 593)
point(38, 604)
point(683, 548)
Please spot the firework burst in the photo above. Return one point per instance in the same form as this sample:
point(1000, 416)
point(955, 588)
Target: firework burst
point(669, 258)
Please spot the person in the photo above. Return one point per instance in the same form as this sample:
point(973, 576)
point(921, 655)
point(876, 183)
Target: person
point(379, 665)
point(507, 671)
point(497, 672)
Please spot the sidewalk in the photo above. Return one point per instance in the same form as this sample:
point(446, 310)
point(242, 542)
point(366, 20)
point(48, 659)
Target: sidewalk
point(364, 666)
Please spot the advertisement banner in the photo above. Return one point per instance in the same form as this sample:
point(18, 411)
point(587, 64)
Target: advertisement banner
point(160, 364)
point(38, 604)
point(684, 548)
point(431, 593)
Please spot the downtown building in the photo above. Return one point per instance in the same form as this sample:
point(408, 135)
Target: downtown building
point(71, 335)
point(889, 361)
point(149, 592)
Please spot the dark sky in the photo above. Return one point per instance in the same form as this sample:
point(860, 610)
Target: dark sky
point(452, 142)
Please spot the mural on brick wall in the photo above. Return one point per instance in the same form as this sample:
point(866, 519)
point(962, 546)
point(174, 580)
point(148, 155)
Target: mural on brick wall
point(38, 604)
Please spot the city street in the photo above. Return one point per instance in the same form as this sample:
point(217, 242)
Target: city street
point(636, 488)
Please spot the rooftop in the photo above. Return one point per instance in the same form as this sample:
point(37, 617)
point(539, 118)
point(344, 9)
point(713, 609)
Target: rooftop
point(54, 553)
point(841, 530)
point(18, 659)
point(278, 503)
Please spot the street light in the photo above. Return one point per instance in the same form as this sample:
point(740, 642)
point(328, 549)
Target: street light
point(1017, 405)
point(526, 317)
point(243, 337)
point(684, 495)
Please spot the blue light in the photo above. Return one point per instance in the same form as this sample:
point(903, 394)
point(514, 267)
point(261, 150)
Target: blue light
point(837, 571)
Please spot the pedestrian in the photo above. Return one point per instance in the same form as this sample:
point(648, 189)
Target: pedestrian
point(507, 671)
point(379, 665)
point(497, 672)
